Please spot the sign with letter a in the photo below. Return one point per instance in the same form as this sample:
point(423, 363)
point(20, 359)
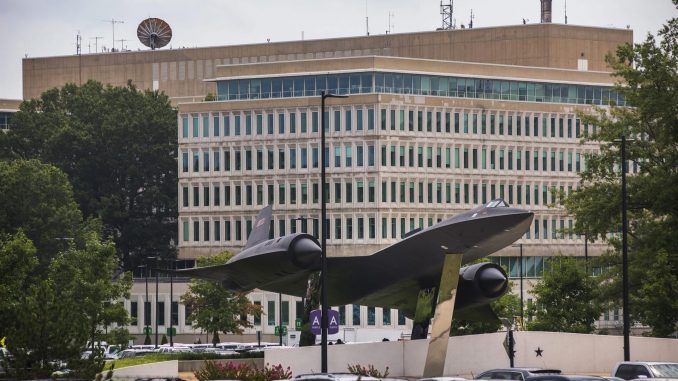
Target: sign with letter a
point(316, 322)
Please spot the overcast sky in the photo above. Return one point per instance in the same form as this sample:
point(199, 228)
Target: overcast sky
point(37, 28)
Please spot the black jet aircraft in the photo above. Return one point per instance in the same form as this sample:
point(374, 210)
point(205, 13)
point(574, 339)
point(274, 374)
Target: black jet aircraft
point(391, 277)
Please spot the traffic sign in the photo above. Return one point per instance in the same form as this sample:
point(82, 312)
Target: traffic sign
point(148, 330)
point(297, 324)
point(171, 331)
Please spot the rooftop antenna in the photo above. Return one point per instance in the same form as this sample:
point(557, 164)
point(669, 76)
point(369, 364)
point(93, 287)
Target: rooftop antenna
point(470, 23)
point(367, 20)
point(545, 11)
point(78, 44)
point(566, 12)
point(154, 33)
point(390, 23)
point(113, 22)
point(446, 11)
point(96, 43)
point(122, 42)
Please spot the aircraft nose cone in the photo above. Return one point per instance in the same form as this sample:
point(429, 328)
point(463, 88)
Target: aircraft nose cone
point(306, 252)
point(492, 281)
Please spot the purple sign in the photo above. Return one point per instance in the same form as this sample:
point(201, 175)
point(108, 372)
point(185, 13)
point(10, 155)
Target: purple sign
point(316, 319)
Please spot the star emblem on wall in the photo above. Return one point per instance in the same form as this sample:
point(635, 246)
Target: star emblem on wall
point(539, 352)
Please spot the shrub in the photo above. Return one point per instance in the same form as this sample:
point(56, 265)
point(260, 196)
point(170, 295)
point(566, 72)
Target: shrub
point(244, 372)
point(369, 370)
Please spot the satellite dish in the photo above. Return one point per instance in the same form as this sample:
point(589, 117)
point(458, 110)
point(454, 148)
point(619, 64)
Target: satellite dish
point(154, 33)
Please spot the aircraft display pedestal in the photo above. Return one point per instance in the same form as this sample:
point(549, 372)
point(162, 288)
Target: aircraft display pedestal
point(442, 318)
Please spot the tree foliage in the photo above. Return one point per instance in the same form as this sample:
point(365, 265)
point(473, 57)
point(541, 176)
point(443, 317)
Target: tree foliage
point(566, 299)
point(53, 297)
point(118, 147)
point(214, 308)
point(38, 200)
point(507, 307)
point(649, 74)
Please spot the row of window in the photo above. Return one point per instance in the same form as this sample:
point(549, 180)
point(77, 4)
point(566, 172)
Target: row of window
point(365, 190)
point(359, 154)
point(417, 84)
point(272, 314)
point(360, 227)
point(291, 122)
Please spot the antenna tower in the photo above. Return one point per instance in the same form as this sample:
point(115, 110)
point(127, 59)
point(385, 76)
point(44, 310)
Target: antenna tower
point(78, 44)
point(367, 20)
point(446, 10)
point(470, 23)
point(96, 43)
point(391, 15)
point(113, 22)
point(565, 11)
point(122, 42)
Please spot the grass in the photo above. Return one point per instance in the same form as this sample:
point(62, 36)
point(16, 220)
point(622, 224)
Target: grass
point(158, 357)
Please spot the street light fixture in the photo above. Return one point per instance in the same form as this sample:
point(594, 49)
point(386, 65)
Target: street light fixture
point(323, 216)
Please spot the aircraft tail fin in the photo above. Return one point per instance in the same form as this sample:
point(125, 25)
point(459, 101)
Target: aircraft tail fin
point(262, 226)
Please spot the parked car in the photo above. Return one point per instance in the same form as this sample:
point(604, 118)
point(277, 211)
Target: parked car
point(174, 350)
point(5, 356)
point(563, 377)
point(332, 377)
point(629, 370)
point(443, 379)
point(514, 373)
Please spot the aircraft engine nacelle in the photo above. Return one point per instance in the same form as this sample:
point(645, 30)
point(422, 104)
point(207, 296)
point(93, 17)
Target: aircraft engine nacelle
point(480, 284)
point(287, 256)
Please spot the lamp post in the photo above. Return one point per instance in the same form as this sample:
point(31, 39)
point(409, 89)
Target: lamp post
point(145, 267)
point(625, 249)
point(323, 217)
point(157, 311)
point(171, 332)
point(522, 308)
point(586, 253)
point(280, 329)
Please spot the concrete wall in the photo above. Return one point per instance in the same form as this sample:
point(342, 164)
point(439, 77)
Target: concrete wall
point(164, 369)
point(470, 355)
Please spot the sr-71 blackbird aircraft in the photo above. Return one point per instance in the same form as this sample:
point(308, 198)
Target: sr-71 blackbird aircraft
point(391, 277)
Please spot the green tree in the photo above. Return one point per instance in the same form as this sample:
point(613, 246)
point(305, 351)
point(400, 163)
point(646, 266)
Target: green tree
point(119, 336)
point(38, 199)
point(566, 299)
point(214, 308)
point(118, 146)
point(507, 306)
point(53, 298)
point(649, 73)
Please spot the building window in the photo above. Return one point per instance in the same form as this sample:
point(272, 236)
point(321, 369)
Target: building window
point(371, 316)
point(134, 306)
point(386, 316)
point(356, 315)
point(257, 318)
point(161, 313)
point(270, 313)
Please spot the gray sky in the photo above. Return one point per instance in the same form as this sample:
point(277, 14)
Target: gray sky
point(48, 27)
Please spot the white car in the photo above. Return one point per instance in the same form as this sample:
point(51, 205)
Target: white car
point(174, 350)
